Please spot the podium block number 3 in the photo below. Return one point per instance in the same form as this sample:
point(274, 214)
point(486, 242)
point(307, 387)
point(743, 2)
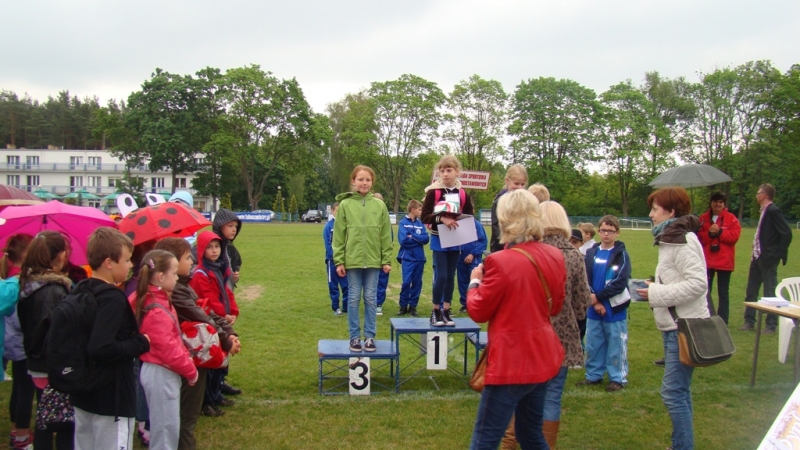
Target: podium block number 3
point(359, 376)
point(437, 350)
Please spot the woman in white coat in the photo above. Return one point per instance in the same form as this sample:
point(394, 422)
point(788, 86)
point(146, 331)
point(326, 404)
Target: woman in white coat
point(680, 284)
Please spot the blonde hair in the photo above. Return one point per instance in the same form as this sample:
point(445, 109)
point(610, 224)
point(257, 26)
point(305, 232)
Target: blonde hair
point(540, 192)
point(519, 217)
point(587, 227)
point(554, 219)
point(448, 161)
point(517, 171)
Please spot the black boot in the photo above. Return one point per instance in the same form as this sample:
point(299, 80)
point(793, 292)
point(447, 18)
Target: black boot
point(403, 311)
point(413, 311)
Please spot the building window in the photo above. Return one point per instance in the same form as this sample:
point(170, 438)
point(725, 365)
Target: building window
point(114, 181)
point(96, 182)
point(12, 180)
point(12, 161)
point(180, 183)
point(75, 182)
point(199, 162)
point(156, 182)
point(75, 161)
point(32, 181)
point(32, 161)
point(95, 160)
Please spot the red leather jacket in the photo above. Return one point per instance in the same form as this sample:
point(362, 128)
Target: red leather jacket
point(730, 230)
point(166, 347)
point(523, 347)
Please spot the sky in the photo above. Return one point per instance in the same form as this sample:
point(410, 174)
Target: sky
point(108, 48)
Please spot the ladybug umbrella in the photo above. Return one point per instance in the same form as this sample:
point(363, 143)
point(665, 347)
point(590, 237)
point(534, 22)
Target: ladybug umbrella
point(161, 221)
point(75, 222)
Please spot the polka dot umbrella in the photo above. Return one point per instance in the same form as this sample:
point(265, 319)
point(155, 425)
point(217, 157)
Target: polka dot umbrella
point(156, 222)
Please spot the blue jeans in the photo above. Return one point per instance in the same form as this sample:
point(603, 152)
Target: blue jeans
point(552, 399)
point(498, 404)
point(444, 276)
point(358, 280)
point(607, 350)
point(676, 394)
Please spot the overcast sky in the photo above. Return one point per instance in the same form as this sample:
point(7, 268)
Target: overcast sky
point(108, 48)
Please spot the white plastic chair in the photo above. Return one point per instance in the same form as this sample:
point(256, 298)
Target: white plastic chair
point(786, 325)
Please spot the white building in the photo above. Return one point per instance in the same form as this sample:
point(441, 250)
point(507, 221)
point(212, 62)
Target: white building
point(64, 171)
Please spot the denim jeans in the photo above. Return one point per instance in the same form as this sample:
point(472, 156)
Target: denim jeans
point(607, 350)
point(358, 280)
point(444, 276)
point(498, 404)
point(552, 399)
point(760, 272)
point(676, 394)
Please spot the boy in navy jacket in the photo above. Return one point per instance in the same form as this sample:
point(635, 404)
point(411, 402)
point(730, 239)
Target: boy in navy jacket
point(471, 255)
point(335, 282)
point(412, 236)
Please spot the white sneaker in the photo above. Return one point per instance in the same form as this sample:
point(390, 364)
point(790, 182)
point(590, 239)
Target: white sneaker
point(379, 311)
point(338, 312)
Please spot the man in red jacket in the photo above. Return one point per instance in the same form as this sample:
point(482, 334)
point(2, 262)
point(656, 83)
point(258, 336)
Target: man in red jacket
point(719, 233)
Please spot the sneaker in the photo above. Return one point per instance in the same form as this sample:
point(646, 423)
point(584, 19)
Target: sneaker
point(338, 312)
point(659, 362)
point(355, 345)
point(586, 382)
point(379, 311)
point(413, 312)
point(369, 345)
point(613, 387)
point(747, 327)
point(436, 318)
point(403, 311)
point(227, 389)
point(226, 402)
point(446, 318)
point(210, 411)
point(463, 309)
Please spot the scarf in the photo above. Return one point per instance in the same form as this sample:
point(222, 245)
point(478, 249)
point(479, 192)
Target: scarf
point(219, 270)
point(673, 231)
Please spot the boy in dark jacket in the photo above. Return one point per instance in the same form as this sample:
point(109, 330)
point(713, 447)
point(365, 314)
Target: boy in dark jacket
point(227, 225)
point(104, 418)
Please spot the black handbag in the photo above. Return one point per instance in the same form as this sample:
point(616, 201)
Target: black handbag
point(703, 342)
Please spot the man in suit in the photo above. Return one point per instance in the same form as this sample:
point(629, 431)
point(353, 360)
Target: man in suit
point(770, 246)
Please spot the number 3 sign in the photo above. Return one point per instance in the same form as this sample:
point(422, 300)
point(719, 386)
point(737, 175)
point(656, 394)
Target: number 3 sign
point(437, 350)
point(359, 376)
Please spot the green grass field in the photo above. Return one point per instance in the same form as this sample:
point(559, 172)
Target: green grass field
point(286, 310)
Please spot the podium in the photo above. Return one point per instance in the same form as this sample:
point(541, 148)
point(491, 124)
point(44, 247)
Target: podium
point(334, 366)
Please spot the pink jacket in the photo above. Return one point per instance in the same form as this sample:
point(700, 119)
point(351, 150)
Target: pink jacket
point(166, 346)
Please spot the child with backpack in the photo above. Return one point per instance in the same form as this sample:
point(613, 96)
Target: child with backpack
point(42, 287)
point(22, 389)
point(210, 281)
point(362, 247)
point(412, 237)
point(105, 407)
point(471, 256)
point(168, 359)
point(444, 201)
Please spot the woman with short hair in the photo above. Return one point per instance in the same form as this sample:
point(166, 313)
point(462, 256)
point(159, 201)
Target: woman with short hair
point(524, 350)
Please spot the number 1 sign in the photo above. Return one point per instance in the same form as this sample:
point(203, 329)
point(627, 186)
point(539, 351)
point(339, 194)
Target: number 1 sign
point(359, 376)
point(437, 350)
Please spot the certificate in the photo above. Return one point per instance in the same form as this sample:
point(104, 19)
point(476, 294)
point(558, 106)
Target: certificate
point(464, 233)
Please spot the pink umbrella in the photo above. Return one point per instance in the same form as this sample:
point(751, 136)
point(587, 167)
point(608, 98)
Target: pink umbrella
point(75, 222)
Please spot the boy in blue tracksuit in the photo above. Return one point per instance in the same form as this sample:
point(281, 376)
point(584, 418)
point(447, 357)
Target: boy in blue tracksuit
point(335, 282)
point(608, 268)
point(471, 255)
point(412, 237)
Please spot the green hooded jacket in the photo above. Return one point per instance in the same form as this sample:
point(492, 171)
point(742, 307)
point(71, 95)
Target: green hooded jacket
point(362, 233)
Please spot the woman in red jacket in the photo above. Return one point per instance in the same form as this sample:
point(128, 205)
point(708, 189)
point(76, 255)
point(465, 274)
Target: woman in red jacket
point(524, 350)
point(719, 232)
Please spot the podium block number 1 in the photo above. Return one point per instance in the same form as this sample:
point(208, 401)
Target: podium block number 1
point(359, 376)
point(437, 350)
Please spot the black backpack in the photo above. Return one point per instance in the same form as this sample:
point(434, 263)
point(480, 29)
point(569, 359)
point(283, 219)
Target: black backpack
point(70, 369)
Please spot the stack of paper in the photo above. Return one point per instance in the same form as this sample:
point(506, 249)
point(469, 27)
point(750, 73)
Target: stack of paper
point(773, 301)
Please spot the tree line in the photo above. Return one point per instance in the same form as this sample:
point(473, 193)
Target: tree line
point(596, 153)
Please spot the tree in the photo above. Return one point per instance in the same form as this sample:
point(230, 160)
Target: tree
point(267, 121)
point(352, 142)
point(172, 118)
point(293, 206)
point(407, 118)
point(556, 126)
point(675, 112)
point(476, 122)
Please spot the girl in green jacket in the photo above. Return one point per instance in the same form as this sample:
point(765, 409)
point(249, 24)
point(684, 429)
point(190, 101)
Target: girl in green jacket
point(362, 246)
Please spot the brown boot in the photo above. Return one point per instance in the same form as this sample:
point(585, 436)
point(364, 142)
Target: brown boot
point(550, 430)
point(509, 441)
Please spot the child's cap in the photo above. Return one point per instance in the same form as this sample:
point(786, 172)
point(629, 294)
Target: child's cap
point(577, 235)
point(183, 197)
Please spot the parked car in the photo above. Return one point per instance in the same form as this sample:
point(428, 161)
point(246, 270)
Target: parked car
point(313, 215)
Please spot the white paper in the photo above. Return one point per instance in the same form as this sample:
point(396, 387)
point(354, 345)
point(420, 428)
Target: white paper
point(773, 301)
point(464, 233)
point(784, 434)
